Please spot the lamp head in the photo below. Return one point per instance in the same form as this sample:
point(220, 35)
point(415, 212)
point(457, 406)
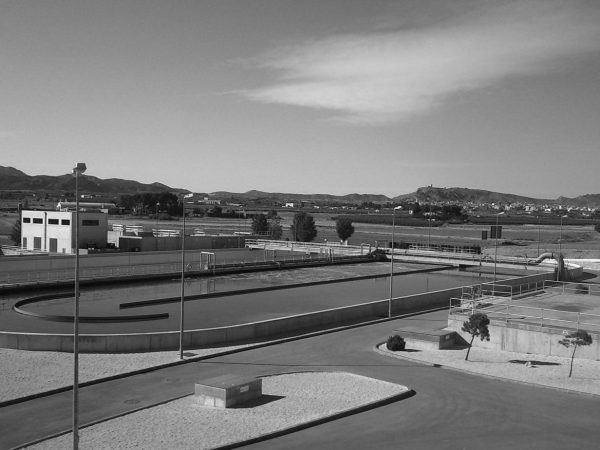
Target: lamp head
point(79, 169)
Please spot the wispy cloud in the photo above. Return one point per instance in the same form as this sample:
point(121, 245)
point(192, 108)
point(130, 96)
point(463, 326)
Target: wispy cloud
point(5, 134)
point(382, 77)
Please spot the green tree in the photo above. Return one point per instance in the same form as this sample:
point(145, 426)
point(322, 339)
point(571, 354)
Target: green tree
point(477, 325)
point(15, 234)
point(303, 227)
point(344, 228)
point(275, 228)
point(576, 339)
point(260, 225)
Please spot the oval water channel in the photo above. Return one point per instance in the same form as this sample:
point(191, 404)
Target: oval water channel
point(208, 312)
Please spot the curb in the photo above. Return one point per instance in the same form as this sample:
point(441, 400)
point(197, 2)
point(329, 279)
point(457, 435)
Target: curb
point(408, 393)
point(391, 354)
point(213, 355)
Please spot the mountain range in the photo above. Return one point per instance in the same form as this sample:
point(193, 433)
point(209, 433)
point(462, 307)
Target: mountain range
point(12, 179)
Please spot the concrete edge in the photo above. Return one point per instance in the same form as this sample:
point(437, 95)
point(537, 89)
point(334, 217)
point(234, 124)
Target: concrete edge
point(390, 354)
point(407, 393)
point(96, 422)
point(213, 355)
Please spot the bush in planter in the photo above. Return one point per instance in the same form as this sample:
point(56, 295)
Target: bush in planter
point(395, 343)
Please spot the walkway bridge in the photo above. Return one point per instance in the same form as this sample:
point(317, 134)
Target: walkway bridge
point(456, 258)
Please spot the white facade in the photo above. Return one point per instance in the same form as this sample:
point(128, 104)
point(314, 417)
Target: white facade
point(54, 231)
point(86, 206)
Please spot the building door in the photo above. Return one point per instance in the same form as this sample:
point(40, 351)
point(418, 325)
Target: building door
point(37, 243)
point(24, 242)
point(53, 245)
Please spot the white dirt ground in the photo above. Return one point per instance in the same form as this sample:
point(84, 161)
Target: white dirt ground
point(550, 371)
point(291, 399)
point(29, 372)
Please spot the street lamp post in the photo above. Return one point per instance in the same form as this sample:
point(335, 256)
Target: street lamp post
point(182, 306)
point(392, 263)
point(496, 246)
point(429, 230)
point(77, 171)
point(157, 205)
point(539, 235)
point(561, 234)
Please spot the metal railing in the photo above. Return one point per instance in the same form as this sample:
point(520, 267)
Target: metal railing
point(498, 303)
point(542, 317)
point(140, 270)
point(572, 288)
point(310, 247)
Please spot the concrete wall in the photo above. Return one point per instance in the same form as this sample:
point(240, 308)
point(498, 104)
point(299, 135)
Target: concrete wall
point(45, 263)
point(151, 243)
point(524, 338)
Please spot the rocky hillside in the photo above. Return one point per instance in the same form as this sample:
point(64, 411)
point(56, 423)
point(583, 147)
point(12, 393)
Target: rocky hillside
point(12, 179)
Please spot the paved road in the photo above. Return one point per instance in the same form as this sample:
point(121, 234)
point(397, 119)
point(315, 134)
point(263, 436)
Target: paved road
point(450, 410)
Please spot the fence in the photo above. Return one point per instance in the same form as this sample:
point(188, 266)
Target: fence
point(327, 248)
point(204, 266)
point(497, 303)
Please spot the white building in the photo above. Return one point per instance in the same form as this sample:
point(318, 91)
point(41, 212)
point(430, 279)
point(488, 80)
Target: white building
point(87, 206)
point(54, 231)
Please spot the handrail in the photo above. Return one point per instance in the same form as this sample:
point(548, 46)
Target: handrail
point(543, 317)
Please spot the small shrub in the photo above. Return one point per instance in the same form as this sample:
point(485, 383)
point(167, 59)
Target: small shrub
point(396, 343)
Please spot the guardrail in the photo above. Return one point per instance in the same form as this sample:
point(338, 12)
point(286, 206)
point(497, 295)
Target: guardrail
point(541, 317)
point(572, 288)
point(140, 270)
point(331, 248)
point(496, 299)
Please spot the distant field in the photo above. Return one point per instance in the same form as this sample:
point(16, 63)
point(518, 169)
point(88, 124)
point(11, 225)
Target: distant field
point(579, 241)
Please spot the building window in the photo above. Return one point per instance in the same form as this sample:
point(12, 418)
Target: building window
point(38, 220)
point(90, 223)
point(26, 220)
point(65, 222)
point(52, 221)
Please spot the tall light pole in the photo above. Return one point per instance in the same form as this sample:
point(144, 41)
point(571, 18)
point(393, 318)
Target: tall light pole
point(157, 205)
point(392, 264)
point(560, 239)
point(429, 230)
point(496, 245)
point(182, 306)
point(539, 235)
point(77, 171)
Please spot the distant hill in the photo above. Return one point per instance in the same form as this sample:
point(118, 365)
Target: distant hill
point(290, 197)
point(464, 195)
point(12, 179)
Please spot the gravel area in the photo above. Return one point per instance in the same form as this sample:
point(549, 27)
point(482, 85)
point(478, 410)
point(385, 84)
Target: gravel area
point(550, 371)
point(289, 400)
point(28, 372)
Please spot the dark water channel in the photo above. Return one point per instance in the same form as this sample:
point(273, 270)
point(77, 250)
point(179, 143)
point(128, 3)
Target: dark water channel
point(207, 312)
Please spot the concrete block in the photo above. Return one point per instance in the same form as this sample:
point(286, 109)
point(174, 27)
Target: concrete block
point(228, 390)
point(435, 339)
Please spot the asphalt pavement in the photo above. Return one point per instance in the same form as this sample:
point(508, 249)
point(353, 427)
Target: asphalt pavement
point(450, 410)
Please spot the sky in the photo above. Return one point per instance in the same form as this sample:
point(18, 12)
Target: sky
point(306, 96)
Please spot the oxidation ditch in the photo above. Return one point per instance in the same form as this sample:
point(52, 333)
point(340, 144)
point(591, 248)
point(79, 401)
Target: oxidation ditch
point(225, 300)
